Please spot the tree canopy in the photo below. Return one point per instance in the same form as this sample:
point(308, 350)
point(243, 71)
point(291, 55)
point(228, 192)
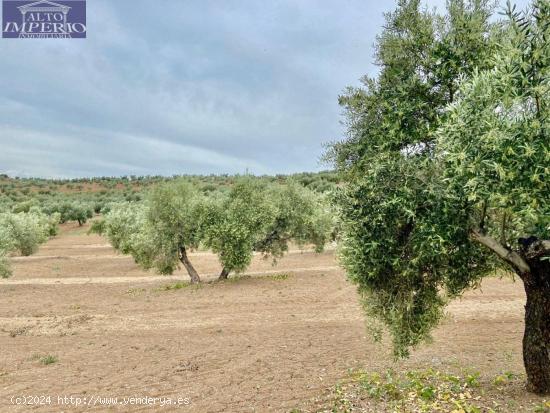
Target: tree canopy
point(236, 223)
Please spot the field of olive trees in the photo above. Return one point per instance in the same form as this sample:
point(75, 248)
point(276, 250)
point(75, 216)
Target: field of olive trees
point(251, 293)
point(157, 220)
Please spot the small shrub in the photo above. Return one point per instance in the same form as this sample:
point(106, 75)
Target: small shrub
point(48, 359)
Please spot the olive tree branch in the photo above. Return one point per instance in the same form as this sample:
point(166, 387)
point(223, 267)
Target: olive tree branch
point(506, 254)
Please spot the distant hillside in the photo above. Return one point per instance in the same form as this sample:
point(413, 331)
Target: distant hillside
point(99, 191)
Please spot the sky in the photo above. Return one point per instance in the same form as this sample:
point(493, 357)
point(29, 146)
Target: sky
point(186, 87)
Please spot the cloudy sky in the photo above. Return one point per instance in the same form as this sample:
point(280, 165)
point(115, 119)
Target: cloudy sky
point(185, 86)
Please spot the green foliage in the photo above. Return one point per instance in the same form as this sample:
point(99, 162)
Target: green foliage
point(421, 391)
point(398, 112)
point(97, 194)
point(25, 206)
point(400, 244)
point(445, 167)
point(48, 223)
point(234, 224)
point(120, 225)
point(5, 270)
point(174, 287)
point(155, 232)
point(98, 227)
point(78, 199)
point(173, 221)
point(494, 144)
point(23, 232)
point(74, 211)
point(26, 231)
point(48, 359)
point(301, 216)
point(278, 277)
point(262, 218)
point(6, 245)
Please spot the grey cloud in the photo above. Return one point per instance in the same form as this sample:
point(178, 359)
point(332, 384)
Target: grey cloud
point(185, 87)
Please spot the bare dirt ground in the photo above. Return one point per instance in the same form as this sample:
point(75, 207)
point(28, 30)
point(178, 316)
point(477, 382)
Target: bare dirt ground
point(268, 342)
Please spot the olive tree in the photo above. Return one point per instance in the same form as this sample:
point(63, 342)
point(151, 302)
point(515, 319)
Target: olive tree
point(158, 233)
point(23, 232)
point(255, 217)
point(26, 230)
point(6, 245)
point(495, 150)
point(236, 222)
point(300, 215)
point(120, 225)
point(440, 178)
point(173, 226)
point(74, 211)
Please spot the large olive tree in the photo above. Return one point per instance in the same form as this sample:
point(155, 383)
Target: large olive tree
point(426, 187)
point(494, 149)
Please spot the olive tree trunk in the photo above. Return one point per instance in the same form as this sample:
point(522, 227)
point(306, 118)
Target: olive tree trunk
point(188, 266)
point(536, 339)
point(224, 274)
point(531, 261)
